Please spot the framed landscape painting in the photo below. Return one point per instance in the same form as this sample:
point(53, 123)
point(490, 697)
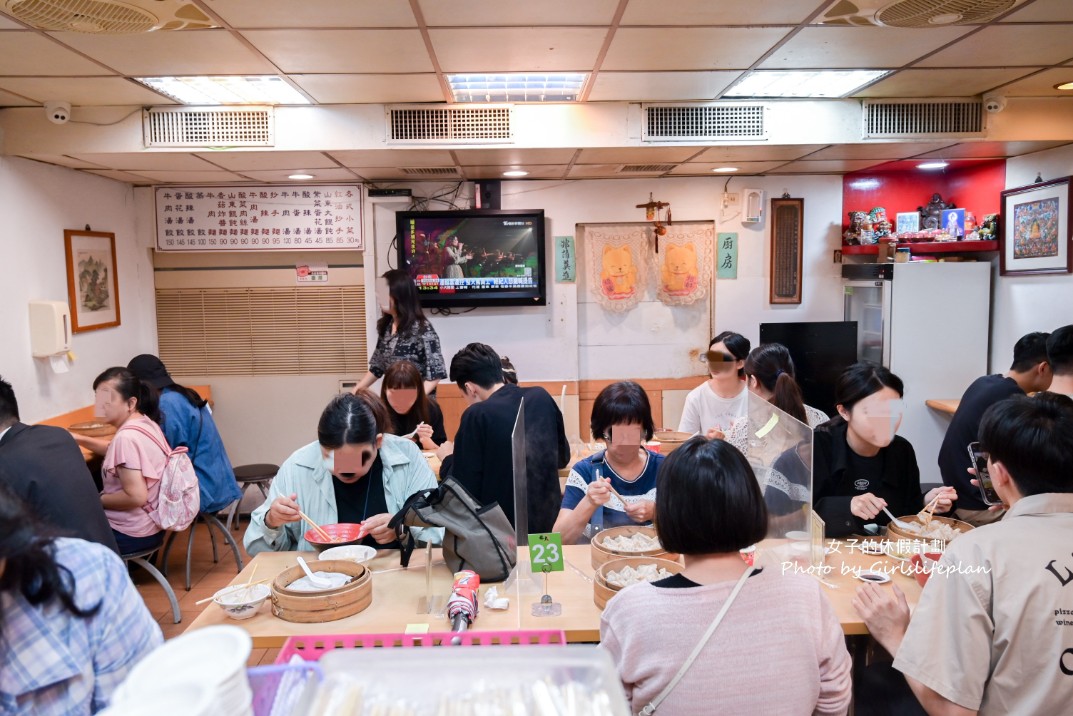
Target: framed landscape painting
point(1035, 236)
point(92, 281)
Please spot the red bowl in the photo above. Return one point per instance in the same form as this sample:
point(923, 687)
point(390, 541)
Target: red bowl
point(342, 533)
point(922, 565)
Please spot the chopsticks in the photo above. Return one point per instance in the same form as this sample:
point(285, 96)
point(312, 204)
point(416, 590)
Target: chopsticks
point(928, 512)
point(233, 588)
point(320, 530)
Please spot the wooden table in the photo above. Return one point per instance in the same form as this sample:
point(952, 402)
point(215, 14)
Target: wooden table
point(943, 405)
point(396, 593)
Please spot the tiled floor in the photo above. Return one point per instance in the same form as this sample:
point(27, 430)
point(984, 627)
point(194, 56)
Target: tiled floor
point(205, 578)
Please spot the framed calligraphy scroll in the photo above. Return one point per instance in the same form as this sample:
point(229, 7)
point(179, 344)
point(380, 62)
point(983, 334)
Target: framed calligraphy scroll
point(92, 281)
point(787, 232)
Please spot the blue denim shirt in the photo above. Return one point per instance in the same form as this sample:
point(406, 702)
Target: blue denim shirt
point(186, 425)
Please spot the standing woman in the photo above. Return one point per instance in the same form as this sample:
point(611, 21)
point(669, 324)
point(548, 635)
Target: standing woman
point(133, 461)
point(859, 465)
point(403, 333)
point(715, 404)
point(188, 423)
point(410, 409)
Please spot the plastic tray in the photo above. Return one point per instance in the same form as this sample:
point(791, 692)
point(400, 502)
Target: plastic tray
point(311, 648)
point(298, 681)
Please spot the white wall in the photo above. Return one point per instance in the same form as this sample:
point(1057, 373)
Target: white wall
point(1023, 304)
point(39, 201)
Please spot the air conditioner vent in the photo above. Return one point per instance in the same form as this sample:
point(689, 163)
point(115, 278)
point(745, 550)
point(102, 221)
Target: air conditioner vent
point(915, 13)
point(108, 17)
point(923, 118)
point(209, 127)
point(430, 171)
point(700, 122)
point(646, 168)
point(450, 125)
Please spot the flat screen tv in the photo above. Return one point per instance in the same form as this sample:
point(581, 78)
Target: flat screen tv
point(478, 257)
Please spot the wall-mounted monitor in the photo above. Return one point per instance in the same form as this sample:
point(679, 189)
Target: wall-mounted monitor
point(478, 257)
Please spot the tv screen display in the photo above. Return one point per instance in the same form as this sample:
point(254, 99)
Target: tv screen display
point(478, 257)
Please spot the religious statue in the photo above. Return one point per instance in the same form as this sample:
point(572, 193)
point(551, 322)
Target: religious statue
point(931, 213)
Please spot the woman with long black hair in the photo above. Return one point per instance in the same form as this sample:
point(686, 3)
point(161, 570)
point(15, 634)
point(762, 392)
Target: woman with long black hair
point(403, 333)
point(72, 625)
point(411, 411)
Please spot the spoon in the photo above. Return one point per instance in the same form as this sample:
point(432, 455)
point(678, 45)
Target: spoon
point(412, 432)
point(900, 524)
point(318, 582)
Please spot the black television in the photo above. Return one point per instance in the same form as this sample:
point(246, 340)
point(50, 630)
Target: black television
point(476, 257)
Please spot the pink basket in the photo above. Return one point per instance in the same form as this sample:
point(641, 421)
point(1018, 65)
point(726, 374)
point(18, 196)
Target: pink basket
point(311, 648)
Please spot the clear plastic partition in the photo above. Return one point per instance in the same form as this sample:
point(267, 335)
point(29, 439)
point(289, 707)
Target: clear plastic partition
point(779, 449)
point(521, 479)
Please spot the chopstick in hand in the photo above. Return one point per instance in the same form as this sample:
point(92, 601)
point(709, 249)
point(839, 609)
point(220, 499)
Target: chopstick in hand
point(319, 530)
point(928, 512)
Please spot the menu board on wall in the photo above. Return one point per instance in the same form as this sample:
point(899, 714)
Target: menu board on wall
point(258, 218)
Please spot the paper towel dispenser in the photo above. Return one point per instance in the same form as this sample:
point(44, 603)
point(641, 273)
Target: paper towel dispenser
point(50, 328)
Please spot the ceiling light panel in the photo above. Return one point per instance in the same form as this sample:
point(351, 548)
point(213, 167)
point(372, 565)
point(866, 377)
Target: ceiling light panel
point(517, 87)
point(802, 83)
point(213, 90)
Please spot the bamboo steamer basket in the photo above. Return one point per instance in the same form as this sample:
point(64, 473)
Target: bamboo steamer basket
point(602, 554)
point(892, 530)
point(602, 591)
point(325, 606)
point(92, 429)
point(670, 440)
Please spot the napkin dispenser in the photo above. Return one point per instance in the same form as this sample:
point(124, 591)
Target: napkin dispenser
point(50, 328)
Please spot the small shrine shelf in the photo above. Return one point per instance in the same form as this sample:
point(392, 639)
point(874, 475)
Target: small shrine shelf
point(925, 247)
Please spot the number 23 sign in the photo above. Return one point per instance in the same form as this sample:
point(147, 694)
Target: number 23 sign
point(546, 552)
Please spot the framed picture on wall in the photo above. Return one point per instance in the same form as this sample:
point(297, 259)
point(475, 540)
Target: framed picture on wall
point(1035, 236)
point(92, 280)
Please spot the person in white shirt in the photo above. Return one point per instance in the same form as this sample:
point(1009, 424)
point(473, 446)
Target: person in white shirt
point(712, 407)
point(1060, 356)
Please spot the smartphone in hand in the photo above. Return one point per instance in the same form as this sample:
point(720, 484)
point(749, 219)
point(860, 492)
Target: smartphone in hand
point(983, 479)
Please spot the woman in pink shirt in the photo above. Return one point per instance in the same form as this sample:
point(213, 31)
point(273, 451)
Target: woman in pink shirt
point(778, 649)
point(133, 462)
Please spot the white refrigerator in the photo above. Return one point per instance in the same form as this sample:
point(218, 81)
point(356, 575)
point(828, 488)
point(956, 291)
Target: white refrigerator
point(929, 323)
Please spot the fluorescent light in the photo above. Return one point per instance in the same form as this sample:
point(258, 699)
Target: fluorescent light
point(725, 170)
point(517, 87)
point(1065, 86)
point(300, 175)
point(516, 173)
point(264, 89)
point(802, 83)
point(932, 165)
point(862, 184)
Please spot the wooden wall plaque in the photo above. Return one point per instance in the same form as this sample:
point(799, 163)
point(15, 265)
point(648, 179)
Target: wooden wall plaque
point(787, 232)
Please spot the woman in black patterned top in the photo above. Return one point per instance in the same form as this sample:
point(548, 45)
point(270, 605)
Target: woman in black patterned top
point(403, 333)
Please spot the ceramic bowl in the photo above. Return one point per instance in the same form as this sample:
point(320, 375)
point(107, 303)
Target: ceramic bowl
point(241, 602)
point(358, 553)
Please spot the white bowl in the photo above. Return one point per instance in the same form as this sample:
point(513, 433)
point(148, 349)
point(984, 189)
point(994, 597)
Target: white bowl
point(214, 655)
point(358, 553)
point(241, 602)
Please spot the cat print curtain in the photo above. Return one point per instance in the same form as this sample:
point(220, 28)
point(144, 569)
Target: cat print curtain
point(618, 264)
point(685, 263)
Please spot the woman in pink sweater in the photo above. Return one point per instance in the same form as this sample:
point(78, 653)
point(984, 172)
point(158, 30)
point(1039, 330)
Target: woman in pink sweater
point(778, 650)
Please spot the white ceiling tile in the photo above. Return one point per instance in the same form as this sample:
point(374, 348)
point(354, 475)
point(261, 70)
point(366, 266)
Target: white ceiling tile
point(394, 158)
point(1007, 46)
point(121, 176)
point(515, 49)
point(514, 156)
point(84, 91)
point(141, 161)
point(941, 83)
point(636, 155)
point(660, 86)
point(371, 89)
point(28, 53)
point(193, 52)
point(704, 169)
point(7, 23)
point(326, 51)
point(185, 177)
point(486, 13)
point(859, 47)
point(238, 160)
point(64, 161)
point(705, 12)
point(821, 167)
point(280, 175)
point(315, 13)
point(984, 150)
point(12, 100)
point(878, 151)
point(695, 48)
point(1040, 85)
point(777, 152)
point(1043, 11)
point(536, 171)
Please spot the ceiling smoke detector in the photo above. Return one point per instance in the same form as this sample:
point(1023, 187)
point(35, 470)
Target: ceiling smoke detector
point(915, 13)
point(108, 17)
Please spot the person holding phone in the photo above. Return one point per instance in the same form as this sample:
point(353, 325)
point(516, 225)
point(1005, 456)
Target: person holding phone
point(617, 486)
point(860, 464)
point(1029, 372)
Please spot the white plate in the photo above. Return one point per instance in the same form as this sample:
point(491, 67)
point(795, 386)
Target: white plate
point(214, 655)
point(873, 577)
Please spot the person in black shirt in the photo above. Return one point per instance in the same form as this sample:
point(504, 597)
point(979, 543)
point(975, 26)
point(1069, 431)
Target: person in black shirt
point(482, 455)
point(860, 465)
point(1030, 372)
point(411, 411)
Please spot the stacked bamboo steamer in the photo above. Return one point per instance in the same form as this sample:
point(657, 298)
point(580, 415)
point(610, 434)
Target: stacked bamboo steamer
point(670, 440)
point(603, 591)
point(893, 530)
point(325, 605)
point(601, 553)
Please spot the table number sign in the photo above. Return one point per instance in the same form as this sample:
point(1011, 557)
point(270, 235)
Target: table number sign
point(546, 552)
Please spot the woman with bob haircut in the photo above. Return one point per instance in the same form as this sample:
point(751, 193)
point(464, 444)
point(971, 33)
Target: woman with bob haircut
point(403, 333)
point(352, 473)
point(622, 418)
point(72, 626)
point(779, 647)
point(859, 464)
point(713, 406)
point(411, 412)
